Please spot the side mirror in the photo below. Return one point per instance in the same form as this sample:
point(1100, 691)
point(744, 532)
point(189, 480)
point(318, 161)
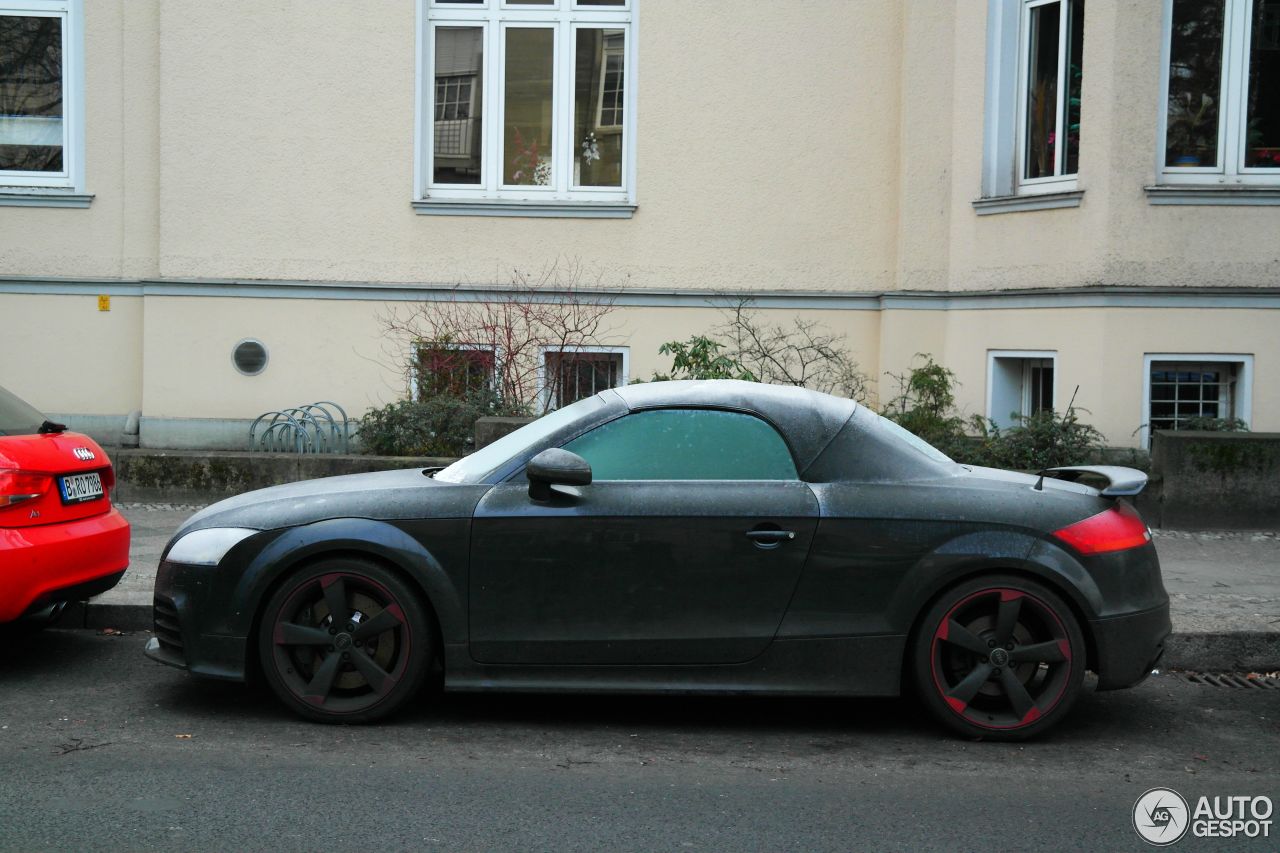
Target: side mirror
point(556, 467)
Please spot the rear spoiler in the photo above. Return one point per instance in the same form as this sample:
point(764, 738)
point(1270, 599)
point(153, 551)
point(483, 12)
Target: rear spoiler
point(1120, 481)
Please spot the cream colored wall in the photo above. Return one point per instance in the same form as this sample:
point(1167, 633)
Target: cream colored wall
point(340, 353)
point(173, 359)
point(287, 151)
point(805, 148)
point(116, 236)
point(1115, 237)
point(61, 354)
point(795, 146)
point(1100, 350)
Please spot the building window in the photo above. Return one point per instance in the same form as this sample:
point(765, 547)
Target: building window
point(1221, 117)
point(530, 102)
point(568, 377)
point(1049, 97)
point(1020, 383)
point(1181, 388)
point(1035, 69)
point(456, 370)
point(40, 94)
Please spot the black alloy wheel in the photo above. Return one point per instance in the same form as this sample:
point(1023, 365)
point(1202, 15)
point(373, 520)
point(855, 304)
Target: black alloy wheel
point(999, 658)
point(345, 641)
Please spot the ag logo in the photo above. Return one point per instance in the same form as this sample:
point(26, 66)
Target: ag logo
point(84, 454)
point(1161, 816)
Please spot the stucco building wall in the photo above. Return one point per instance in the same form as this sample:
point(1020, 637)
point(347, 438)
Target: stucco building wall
point(824, 150)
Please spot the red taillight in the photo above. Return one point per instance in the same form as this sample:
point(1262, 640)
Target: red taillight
point(16, 487)
point(1115, 529)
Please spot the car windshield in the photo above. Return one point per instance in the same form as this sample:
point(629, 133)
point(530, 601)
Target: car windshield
point(474, 468)
point(16, 417)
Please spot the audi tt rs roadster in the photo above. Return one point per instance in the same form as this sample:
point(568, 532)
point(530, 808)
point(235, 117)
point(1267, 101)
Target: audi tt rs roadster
point(716, 536)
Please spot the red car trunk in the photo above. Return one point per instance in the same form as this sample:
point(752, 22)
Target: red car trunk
point(32, 472)
point(60, 538)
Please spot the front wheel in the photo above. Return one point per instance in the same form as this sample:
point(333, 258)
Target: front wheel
point(999, 658)
point(344, 641)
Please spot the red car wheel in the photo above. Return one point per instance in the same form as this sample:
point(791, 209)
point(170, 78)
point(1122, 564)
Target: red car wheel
point(1000, 658)
point(345, 640)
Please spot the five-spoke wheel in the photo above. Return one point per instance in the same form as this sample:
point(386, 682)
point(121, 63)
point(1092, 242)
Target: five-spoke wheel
point(999, 657)
point(344, 640)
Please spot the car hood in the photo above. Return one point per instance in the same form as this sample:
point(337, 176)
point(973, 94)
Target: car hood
point(407, 493)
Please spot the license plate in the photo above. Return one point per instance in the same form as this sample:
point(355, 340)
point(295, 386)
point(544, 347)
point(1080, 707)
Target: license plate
point(80, 487)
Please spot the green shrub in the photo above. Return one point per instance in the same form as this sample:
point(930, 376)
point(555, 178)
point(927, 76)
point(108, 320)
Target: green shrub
point(443, 425)
point(925, 405)
point(700, 358)
point(1205, 424)
point(1043, 440)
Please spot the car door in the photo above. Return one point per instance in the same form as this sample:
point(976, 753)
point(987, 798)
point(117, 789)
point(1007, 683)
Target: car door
point(685, 548)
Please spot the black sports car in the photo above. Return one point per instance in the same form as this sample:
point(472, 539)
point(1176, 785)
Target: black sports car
point(678, 537)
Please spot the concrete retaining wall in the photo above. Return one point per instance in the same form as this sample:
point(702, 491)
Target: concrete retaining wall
point(205, 476)
point(489, 430)
point(1213, 480)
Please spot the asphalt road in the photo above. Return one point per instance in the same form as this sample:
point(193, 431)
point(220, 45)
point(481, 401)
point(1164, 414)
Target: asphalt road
point(103, 749)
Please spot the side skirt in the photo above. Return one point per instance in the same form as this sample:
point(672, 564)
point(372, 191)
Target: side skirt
point(841, 666)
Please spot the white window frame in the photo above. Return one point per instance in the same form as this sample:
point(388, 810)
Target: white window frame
point(1024, 396)
point(545, 400)
point(418, 345)
point(1004, 115)
point(1057, 182)
point(1232, 112)
point(71, 178)
point(600, 126)
point(1244, 384)
point(494, 17)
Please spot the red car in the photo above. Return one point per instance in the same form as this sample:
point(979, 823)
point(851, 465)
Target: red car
point(61, 539)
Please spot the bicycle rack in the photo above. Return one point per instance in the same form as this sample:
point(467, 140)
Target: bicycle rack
point(315, 428)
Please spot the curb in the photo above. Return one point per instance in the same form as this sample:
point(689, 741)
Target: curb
point(99, 615)
point(1228, 651)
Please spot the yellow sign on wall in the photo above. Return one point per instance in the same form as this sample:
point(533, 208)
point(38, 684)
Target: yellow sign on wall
point(104, 302)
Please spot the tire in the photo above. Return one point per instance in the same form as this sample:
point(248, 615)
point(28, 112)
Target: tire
point(359, 668)
point(999, 657)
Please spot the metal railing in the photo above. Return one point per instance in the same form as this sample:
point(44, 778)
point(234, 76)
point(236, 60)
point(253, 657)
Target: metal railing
point(316, 428)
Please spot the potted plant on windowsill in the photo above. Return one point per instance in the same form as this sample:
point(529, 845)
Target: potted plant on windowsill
point(1187, 127)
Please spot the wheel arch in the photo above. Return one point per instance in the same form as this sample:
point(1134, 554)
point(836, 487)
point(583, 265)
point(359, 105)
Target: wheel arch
point(988, 553)
point(364, 539)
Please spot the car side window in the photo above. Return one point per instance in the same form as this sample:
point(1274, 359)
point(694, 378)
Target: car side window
point(686, 444)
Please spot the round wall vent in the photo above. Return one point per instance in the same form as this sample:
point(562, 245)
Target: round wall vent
point(250, 357)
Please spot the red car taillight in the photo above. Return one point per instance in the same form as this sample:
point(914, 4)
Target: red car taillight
point(1115, 529)
point(109, 481)
point(16, 487)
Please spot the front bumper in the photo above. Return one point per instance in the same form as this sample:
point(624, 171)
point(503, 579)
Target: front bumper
point(66, 561)
point(181, 639)
point(1129, 646)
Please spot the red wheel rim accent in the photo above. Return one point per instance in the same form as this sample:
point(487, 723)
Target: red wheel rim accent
point(348, 664)
point(1001, 659)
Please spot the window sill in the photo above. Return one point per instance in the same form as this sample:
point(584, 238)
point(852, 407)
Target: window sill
point(561, 209)
point(42, 197)
point(1212, 195)
point(1016, 203)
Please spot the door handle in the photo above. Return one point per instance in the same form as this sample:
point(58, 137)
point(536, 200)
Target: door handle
point(769, 539)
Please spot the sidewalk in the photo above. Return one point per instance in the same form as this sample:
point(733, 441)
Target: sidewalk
point(1224, 588)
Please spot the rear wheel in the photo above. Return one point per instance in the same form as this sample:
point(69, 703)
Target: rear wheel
point(1000, 658)
point(345, 641)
